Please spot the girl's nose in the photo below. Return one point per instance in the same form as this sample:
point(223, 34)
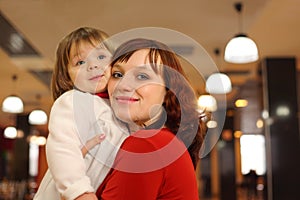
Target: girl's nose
point(92, 66)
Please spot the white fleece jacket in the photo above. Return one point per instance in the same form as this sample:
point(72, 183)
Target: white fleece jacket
point(76, 117)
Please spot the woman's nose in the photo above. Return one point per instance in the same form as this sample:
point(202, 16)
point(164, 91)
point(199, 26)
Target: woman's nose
point(125, 84)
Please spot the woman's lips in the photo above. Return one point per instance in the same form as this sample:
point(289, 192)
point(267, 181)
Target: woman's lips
point(125, 99)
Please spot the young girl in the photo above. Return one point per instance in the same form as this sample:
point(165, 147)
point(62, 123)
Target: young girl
point(80, 112)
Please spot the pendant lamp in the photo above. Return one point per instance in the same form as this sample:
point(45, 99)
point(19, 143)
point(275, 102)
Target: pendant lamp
point(37, 116)
point(13, 103)
point(218, 83)
point(10, 132)
point(240, 49)
point(207, 102)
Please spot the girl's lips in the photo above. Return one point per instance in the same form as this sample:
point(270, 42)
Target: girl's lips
point(124, 99)
point(98, 77)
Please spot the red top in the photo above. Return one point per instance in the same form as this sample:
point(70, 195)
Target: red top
point(151, 165)
point(103, 95)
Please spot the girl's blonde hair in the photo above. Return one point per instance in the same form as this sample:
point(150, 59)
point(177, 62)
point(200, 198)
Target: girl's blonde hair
point(61, 81)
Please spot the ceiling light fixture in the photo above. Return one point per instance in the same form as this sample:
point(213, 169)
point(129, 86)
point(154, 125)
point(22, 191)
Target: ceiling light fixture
point(218, 83)
point(240, 49)
point(13, 103)
point(10, 132)
point(207, 103)
point(37, 116)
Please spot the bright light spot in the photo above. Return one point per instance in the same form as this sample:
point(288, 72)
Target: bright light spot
point(207, 103)
point(33, 159)
point(211, 124)
point(253, 154)
point(237, 134)
point(10, 132)
point(218, 83)
point(265, 114)
point(37, 117)
point(282, 111)
point(260, 187)
point(259, 123)
point(39, 140)
point(241, 103)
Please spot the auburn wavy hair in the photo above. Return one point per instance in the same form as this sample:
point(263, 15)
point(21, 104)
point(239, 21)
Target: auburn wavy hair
point(180, 102)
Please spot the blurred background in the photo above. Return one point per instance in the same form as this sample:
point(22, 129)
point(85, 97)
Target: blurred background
point(256, 154)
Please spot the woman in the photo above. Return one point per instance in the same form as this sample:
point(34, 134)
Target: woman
point(148, 90)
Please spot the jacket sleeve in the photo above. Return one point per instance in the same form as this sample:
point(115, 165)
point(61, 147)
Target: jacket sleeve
point(63, 150)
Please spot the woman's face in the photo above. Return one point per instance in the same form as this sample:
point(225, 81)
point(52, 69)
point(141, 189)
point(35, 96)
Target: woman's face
point(136, 91)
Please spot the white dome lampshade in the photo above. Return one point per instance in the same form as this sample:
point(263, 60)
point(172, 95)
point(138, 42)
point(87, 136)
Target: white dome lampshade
point(37, 117)
point(218, 83)
point(10, 132)
point(207, 103)
point(13, 104)
point(241, 49)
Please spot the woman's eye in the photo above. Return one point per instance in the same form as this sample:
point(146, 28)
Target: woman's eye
point(142, 77)
point(80, 63)
point(117, 75)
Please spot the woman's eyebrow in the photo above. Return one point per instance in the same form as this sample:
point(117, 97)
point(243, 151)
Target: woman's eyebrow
point(117, 66)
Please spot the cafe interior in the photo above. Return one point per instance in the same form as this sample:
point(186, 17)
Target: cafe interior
point(252, 92)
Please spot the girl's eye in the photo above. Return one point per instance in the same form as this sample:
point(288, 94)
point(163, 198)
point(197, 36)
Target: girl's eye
point(101, 57)
point(80, 63)
point(117, 75)
point(142, 77)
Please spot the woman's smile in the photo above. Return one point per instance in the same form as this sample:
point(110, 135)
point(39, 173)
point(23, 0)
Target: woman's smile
point(126, 99)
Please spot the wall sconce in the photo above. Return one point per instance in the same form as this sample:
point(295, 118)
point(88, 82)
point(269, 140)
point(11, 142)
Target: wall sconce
point(13, 103)
point(240, 49)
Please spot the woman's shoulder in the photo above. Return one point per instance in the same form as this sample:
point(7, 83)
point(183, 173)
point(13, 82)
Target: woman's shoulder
point(149, 150)
point(150, 140)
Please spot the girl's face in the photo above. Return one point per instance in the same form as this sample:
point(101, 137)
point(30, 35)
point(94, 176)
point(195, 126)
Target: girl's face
point(136, 91)
point(89, 67)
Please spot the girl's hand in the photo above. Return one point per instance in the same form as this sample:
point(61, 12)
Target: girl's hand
point(92, 143)
point(87, 196)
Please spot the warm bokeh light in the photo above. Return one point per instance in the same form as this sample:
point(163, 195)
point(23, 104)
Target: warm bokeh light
point(240, 103)
point(259, 123)
point(237, 134)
